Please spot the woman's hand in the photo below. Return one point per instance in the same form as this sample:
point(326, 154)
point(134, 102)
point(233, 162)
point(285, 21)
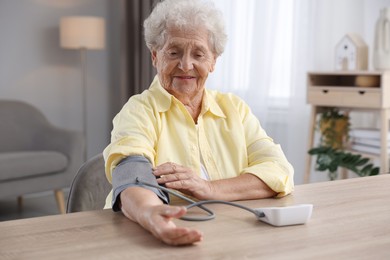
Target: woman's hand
point(243, 187)
point(158, 220)
point(144, 207)
point(183, 179)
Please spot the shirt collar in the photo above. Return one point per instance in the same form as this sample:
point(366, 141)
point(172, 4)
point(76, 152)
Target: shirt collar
point(164, 99)
point(210, 104)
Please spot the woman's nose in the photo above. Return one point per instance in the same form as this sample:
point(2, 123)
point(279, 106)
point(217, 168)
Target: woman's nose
point(186, 63)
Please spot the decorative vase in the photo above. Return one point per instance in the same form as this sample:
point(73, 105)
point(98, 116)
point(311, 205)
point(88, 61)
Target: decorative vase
point(381, 55)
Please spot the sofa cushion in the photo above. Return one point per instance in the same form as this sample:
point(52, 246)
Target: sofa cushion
point(18, 165)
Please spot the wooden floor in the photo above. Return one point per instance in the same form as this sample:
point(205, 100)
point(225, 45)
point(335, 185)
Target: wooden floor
point(34, 205)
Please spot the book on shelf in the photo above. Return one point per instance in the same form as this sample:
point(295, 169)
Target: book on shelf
point(369, 142)
point(367, 149)
point(370, 133)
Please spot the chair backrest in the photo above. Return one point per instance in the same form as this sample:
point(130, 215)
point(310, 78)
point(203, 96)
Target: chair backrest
point(20, 123)
point(90, 187)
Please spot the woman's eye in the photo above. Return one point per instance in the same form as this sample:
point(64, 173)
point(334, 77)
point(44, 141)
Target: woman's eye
point(199, 55)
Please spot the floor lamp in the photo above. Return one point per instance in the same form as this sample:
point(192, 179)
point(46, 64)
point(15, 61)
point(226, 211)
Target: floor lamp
point(83, 33)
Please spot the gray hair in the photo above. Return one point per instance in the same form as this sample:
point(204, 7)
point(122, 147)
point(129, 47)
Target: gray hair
point(188, 14)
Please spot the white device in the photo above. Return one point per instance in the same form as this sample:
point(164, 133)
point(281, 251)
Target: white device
point(285, 216)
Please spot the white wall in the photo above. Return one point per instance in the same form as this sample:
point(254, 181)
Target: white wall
point(34, 68)
point(335, 18)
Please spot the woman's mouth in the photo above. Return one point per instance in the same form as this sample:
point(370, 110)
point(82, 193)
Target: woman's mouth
point(185, 77)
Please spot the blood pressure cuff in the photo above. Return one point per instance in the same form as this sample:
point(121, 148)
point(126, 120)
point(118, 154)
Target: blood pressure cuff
point(125, 175)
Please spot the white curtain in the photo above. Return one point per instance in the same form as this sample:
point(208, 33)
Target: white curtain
point(265, 62)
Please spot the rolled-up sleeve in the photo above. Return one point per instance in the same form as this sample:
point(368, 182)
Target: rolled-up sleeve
point(266, 159)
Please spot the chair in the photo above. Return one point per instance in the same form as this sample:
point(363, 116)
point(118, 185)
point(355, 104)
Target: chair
point(90, 187)
point(35, 156)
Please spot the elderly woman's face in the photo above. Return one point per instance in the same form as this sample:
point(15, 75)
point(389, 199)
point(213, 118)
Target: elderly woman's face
point(184, 62)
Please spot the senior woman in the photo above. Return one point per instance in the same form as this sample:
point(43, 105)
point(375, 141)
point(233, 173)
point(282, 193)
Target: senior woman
point(203, 143)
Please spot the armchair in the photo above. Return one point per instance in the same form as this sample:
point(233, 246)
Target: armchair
point(35, 156)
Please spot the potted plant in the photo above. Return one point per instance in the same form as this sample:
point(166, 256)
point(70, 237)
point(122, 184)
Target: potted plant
point(334, 128)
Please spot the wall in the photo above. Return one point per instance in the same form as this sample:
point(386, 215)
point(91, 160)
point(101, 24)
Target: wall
point(335, 18)
point(35, 69)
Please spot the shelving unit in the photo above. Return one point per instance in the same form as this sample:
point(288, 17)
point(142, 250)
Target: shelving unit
point(350, 90)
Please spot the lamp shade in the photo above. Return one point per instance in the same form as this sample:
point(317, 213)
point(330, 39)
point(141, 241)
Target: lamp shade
point(78, 32)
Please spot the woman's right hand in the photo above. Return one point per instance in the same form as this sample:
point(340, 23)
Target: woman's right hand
point(158, 220)
point(144, 207)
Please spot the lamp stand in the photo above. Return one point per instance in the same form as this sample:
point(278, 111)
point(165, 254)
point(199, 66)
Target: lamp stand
point(83, 33)
point(83, 56)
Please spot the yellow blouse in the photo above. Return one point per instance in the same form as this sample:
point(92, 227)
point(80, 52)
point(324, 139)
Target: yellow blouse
point(230, 139)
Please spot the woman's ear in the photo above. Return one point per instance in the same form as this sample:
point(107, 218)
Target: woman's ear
point(154, 57)
point(212, 67)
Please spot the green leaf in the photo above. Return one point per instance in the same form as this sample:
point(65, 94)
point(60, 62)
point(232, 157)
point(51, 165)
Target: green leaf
point(347, 158)
point(318, 150)
point(362, 161)
point(355, 158)
point(322, 167)
point(333, 167)
point(374, 171)
point(367, 168)
point(324, 160)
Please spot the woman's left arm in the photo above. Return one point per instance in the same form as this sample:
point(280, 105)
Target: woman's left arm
point(243, 187)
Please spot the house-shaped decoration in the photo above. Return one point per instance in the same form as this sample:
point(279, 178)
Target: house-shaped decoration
point(351, 53)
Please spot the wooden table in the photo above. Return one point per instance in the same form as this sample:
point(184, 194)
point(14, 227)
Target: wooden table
point(351, 220)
